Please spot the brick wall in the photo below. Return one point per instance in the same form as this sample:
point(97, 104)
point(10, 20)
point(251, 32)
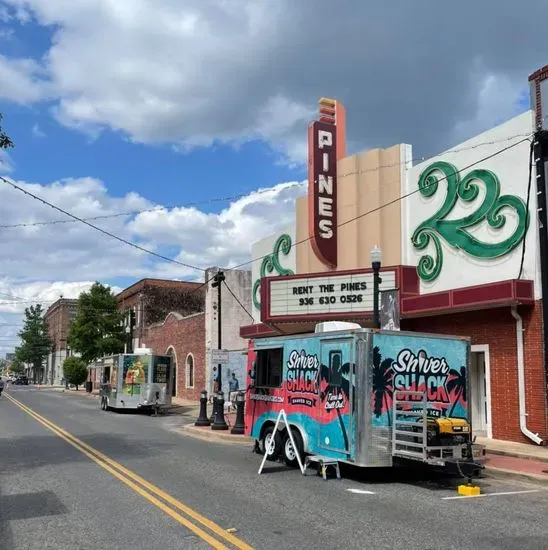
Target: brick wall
point(497, 328)
point(185, 335)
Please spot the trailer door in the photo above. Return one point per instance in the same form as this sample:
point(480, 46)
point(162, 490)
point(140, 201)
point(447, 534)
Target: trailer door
point(334, 405)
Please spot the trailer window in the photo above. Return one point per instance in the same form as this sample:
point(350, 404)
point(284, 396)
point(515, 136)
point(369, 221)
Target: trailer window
point(269, 368)
point(335, 368)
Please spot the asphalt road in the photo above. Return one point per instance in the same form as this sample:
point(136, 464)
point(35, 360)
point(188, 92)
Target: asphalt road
point(53, 495)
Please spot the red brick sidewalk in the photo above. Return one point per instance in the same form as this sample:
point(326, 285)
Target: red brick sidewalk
point(534, 469)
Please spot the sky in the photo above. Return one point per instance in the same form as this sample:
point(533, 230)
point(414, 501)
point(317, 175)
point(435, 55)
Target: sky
point(195, 113)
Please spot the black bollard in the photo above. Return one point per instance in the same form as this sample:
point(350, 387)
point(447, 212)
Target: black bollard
point(220, 422)
point(214, 409)
point(239, 425)
point(202, 419)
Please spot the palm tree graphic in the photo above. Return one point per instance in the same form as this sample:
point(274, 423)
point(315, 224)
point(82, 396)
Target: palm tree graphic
point(457, 384)
point(334, 389)
point(382, 383)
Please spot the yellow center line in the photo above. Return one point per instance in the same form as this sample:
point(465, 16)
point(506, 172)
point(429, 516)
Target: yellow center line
point(112, 466)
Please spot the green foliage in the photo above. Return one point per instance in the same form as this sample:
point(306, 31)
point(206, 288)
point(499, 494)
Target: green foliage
point(17, 366)
point(5, 141)
point(35, 341)
point(159, 301)
point(97, 330)
point(75, 370)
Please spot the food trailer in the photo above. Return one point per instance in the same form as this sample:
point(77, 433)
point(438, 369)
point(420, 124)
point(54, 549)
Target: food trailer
point(135, 380)
point(366, 397)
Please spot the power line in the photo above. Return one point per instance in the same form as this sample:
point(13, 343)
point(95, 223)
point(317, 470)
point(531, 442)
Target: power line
point(108, 233)
point(237, 300)
point(142, 211)
point(393, 201)
point(258, 192)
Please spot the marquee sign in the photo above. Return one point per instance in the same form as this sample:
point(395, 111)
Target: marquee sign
point(347, 295)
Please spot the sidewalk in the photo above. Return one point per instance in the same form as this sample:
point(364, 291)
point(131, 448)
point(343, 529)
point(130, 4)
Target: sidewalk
point(518, 460)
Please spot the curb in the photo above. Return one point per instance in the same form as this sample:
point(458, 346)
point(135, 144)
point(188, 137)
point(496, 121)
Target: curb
point(521, 456)
point(512, 474)
point(215, 436)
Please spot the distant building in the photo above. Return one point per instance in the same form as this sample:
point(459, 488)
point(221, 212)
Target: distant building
point(151, 300)
point(59, 318)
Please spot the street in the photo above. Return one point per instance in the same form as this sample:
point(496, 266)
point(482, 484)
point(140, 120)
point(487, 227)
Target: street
point(75, 477)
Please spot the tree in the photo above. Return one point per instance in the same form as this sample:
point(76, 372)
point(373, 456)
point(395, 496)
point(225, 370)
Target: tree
point(75, 371)
point(17, 366)
point(97, 328)
point(5, 141)
point(35, 341)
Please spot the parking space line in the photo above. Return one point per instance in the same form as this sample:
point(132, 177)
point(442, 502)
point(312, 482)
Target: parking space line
point(360, 491)
point(492, 494)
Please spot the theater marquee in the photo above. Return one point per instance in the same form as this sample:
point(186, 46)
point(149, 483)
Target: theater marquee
point(322, 297)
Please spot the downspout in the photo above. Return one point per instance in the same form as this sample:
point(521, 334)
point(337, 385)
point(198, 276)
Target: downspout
point(521, 379)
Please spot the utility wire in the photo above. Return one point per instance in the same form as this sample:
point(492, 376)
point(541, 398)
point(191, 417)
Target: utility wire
point(108, 233)
point(393, 201)
point(258, 192)
point(237, 300)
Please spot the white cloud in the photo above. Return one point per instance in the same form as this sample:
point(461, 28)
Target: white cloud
point(197, 73)
point(41, 262)
point(21, 80)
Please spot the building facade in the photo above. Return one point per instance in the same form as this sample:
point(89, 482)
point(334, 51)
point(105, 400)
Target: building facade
point(460, 255)
point(236, 310)
point(59, 318)
point(184, 339)
point(133, 301)
point(189, 338)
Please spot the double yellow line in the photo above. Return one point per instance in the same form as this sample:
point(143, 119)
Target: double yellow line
point(207, 530)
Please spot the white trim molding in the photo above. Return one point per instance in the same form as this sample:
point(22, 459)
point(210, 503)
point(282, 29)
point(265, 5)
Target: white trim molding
point(484, 348)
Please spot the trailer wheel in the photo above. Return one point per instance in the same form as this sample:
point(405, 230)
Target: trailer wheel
point(267, 436)
point(290, 456)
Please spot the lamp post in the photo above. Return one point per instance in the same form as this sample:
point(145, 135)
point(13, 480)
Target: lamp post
point(376, 257)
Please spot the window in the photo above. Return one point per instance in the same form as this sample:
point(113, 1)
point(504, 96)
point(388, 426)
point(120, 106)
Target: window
point(269, 368)
point(189, 371)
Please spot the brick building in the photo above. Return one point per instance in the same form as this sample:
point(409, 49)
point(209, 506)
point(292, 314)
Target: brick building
point(136, 298)
point(184, 339)
point(59, 317)
point(459, 235)
point(190, 337)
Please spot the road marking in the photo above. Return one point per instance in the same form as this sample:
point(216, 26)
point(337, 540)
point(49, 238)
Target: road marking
point(493, 494)
point(360, 491)
point(133, 480)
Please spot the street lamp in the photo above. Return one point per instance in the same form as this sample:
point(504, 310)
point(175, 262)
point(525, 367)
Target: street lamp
point(376, 257)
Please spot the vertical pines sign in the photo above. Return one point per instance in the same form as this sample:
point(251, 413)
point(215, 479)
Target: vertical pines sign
point(322, 191)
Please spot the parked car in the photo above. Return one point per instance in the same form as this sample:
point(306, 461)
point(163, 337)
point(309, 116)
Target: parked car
point(21, 381)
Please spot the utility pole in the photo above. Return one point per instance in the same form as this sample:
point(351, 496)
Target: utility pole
point(217, 282)
point(540, 158)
